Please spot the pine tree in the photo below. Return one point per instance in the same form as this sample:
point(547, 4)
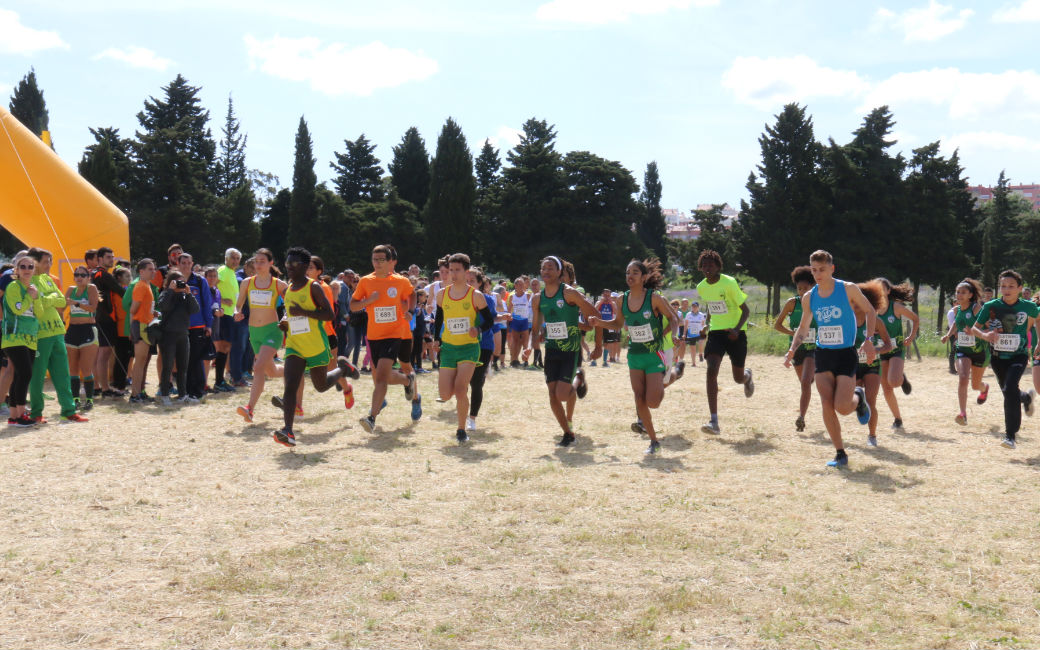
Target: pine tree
point(651, 227)
point(358, 174)
point(107, 165)
point(410, 169)
point(486, 206)
point(27, 104)
point(274, 225)
point(448, 215)
point(230, 169)
point(303, 209)
point(487, 166)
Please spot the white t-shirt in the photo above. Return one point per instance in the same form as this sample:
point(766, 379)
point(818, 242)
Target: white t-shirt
point(951, 316)
point(695, 323)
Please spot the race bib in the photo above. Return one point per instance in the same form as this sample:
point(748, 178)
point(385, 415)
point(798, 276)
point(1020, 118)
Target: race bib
point(299, 325)
point(965, 340)
point(519, 312)
point(862, 355)
point(77, 310)
point(260, 297)
point(810, 337)
point(830, 335)
point(385, 314)
point(717, 308)
point(457, 325)
point(640, 333)
point(556, 331)
point(1007, 342)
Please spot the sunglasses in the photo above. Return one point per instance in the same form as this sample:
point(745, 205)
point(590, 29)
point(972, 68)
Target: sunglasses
point(26, 267)
point(80, 275)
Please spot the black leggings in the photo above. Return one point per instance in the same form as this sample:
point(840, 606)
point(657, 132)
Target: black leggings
point(173, 350)
point(1009, 372)
point(22, 359)
point(417, 351)
point(476, 383)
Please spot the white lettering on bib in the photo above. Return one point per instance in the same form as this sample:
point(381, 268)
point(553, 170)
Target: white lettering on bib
point(260, 297)
point(830, 335)
point(385, 314)
point(862, 355)
point(810, 336)
point(1007, 342)
point(717, 307)
point(965, 340)
point(458, 325)
point(519, 312)
point(77, 310)
point(641, 333)
point(556, 331)
point(299, 325)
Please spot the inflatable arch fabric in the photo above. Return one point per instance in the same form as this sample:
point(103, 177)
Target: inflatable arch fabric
point(44, 202)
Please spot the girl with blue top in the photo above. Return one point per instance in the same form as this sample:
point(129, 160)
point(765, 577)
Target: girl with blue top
point(831, 303)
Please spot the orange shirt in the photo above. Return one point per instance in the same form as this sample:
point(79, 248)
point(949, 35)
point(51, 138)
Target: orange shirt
point(330, 327)
point(143, 295)
point(120, 315)
point(387, 318)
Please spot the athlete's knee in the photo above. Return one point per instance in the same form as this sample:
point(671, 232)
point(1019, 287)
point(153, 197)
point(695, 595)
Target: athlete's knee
point(654, 402)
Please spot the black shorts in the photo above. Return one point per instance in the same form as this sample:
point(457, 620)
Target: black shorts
point(898, 352)
point(692, 340)
point(560, 365)
point(404, 351)
point(333, 344)
point(611, 336)
point(720, 345)
point(801, 354)
point(862, 369)
point(135, 331)
point(80, 335)
point(107, 332)
point(978, 359)
point(838, 361)
point(223, 328)
point(384, 349)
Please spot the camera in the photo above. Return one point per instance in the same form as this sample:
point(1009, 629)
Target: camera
point(181, 284)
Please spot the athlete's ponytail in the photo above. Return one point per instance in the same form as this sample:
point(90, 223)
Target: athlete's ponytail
point(651, 271)
point(903, 293)
point(875, 292)
point(974, 286)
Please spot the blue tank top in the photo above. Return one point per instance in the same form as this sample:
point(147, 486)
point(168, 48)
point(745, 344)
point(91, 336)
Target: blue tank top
point(835, 321)
point(606, 310)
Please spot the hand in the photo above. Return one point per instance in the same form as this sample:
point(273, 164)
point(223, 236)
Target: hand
point(296, 310)
point(283, 325)
point(209, 331)
point(597, 351)
point(787, 359)
point(992, 336)
point(436, 345)
point(239, 316)
point(945, 338)
point(372, 297)
point(907, 342)
point(474, 333)
point(868, 348)
point(734, 333)
point(33, 293)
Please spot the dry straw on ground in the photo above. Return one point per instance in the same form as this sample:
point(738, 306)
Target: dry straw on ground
point(188, 528)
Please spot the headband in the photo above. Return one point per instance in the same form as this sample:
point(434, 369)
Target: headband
point(559, 264)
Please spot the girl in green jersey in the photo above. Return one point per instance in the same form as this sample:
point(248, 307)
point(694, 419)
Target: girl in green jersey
point(892, 362)
point(972, 351)
point(804, 360)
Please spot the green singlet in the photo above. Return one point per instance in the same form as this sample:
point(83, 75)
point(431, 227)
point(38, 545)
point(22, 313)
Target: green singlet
point(644, 326)
point(561, 322)
point(795, 319)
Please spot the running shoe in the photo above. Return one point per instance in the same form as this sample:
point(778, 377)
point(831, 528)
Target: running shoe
point(366, 371)
point(799, 424)
point(349, 369)
point(111, 392)
point(897, 425)
point(1007, 443)
point(69, 419)
point(1030, 402)
point(712, 428)
point(593, 363)
point(862, 408)
point(961, 419)
point(166, 401)
point(5, 410)
point(348, 397)
point(86, 405)
point(136, 399)
point(461, 436)
point(872, 440)
point(749, 384)
point(241, 383)
point(680, 368)
point(190, 401)
point(583, 387)
point(840, 460)
point(906, 386)
point(22, 421)
point(514, 364)
point(224, 387)
point(244, 411)
point(567, 440)
point(983, 395)
point(39, 419)
point(409, 388)
point(368, 423)
point(471, 424)
point(637, 427)
point(285, 437)
point(654, 447)
point(417, 408)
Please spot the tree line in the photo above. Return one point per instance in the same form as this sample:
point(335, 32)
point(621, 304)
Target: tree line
point(176, 182)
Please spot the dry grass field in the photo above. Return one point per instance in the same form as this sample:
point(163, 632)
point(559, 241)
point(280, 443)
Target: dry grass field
point(188, 528)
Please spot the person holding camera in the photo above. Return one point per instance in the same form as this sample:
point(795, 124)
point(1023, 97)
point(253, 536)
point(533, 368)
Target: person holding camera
point(177, 306)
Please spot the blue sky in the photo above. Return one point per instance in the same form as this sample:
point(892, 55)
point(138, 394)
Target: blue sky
point(688, 83)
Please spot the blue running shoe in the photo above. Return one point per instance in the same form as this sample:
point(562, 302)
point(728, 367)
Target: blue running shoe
point(839, 461)
point(862, 408)
point(417, 408)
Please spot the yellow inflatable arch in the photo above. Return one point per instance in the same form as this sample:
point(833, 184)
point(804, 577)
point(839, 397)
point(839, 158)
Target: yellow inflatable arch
point(44, 202)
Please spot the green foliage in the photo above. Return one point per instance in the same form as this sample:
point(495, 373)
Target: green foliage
point(489, 186)
point(274, 225)
point(410, 169)
point(650, 225)
point(27, 104)
point(230, 170)
point(448, 216)
point(303, 209)
point(358, 174)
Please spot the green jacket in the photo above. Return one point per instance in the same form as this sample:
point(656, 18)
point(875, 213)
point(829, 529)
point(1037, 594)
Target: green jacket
point(52, 302)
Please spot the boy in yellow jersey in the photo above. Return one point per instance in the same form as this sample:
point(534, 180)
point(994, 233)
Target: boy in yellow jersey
point(727, 330)
point(459, 342)
point(306, 346)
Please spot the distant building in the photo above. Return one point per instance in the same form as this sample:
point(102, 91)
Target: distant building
point(679, 225)
point(1031, 193)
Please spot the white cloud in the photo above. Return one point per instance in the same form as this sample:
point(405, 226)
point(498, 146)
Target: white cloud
point(968, 94)
point(135, 57)
point(336, 68)
point(16, 38)
point(926, 23)
point(771, 82)
point(601, 12)
point(1027, 12)
point(505, 138)
point(974, 141)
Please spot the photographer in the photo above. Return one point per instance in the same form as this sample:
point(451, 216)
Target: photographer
point(177, 306)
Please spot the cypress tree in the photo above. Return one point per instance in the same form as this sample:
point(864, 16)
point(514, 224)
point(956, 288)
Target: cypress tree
point(358, 174)
point(230, 169)
point(274, 225)
point(449, 211)
point(650, 226)
point(410, 169)
point(27, 104)
point(303, 209)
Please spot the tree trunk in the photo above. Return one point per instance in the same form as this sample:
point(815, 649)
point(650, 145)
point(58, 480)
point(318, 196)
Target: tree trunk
point(776, 299)
point(917, 297)
point(769, 297)
point(940, 316)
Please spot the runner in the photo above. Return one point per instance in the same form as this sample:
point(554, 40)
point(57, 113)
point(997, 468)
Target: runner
point(534, 286)
point(1004, 322)
point(892, 362)
point(830, 304)
point(727, 331)
point(261, 292)
point(868, 372)
point(803, 361)
point(519, 304)
point(81, 337)
point(21, 302)
point(643, 311)
point(557, 307)
point(458, 341)
point(605, 307)
point(972, 351)
point(681, 308)
point(695, 321)
point(307, 308)
point(388, 298)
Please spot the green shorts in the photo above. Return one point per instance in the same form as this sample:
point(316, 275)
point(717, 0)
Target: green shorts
point(648, 362)
point(269, 335)
point(312, 362)
point(452, 355)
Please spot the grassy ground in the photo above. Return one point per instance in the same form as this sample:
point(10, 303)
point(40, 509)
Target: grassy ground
point(189, 528)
